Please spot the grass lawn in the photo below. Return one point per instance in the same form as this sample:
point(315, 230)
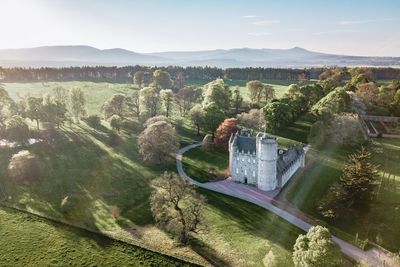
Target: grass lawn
point(30, 241)
point(382, 223)
point(96, 93)
point(206, 165)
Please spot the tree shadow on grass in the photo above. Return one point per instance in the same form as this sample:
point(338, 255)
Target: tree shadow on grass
point(207, 253)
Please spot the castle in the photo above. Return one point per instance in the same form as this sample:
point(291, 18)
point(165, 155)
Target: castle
point(258, 161)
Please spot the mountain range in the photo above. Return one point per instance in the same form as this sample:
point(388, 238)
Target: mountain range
point(64, 56)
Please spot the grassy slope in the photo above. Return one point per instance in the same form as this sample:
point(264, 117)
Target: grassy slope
point(381, 224)
point(30, 241)
point(99, 178)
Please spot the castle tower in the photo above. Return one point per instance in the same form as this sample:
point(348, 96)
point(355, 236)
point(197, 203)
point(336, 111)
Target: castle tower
point(267, 148)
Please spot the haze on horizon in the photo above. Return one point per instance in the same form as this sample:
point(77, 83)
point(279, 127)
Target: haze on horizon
point(339, 27)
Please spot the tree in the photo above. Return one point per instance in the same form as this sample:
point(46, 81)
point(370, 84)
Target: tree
point(219, 93)
point(356, 187)
point(133, 103)
point(224, 132)
point(184, 99)
point(368, 92)
point(277, 115)
point(268, 92)
point(270, 259)
point(315, 249)
point(344, 129)
point(359, 179)
point(237, 99)
point(212, 116)
point(138, 78)
point(155, 119)
point(162, 79)
point(176, 205)
point(17, 130)
point(115, 122)
point(77, 103)
point(337, 101)
point(167, 96)
point(255, 89)
point(34, 108)
point(196, 116)
point(254, 119)
point(149, 100)
point(116, 105)
point(23, 166)
point(158, 141)
point(7, 106)
point(293, 89)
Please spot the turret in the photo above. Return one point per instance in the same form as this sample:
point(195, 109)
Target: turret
point(267, 158)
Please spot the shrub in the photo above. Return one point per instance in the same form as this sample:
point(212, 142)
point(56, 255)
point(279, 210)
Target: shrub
point(115, 122)
point(156, 119)
point(17, 130)
point(94, 121)
point(23, 166)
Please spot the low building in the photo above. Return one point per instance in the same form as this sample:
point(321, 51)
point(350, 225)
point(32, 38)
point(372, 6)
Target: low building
point(258, 161)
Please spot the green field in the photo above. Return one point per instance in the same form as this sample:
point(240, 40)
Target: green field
point(27, 240)
point(96, 93)
point(381, 224)
point(97, 178)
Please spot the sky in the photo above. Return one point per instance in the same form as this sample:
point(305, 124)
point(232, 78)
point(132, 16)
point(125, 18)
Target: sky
point(351, 27)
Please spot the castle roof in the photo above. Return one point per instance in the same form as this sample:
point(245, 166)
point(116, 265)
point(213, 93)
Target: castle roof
point(246, 143)
point(287, 157)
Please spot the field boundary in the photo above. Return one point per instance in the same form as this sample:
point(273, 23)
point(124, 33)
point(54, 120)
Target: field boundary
point(110, 236)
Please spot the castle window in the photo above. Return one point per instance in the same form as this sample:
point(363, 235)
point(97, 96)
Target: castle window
point(245, 172)
point(254, 161)
point(254, 174)
point(248, 160)
point(242, 159)
point(237, 170)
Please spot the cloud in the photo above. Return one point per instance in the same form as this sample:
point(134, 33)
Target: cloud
point(356, 22)
point(259, 33)
point(249, 17)
point(265, 22)
point(334, 32)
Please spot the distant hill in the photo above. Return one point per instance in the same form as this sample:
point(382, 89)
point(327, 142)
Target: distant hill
point(62, 56)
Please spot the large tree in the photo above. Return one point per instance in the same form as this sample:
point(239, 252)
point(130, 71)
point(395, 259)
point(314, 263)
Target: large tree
point(116, 105)
point(7, 106)
point(196, 116)
point(138, 78)
point(255, 89)
point(34, 108)
point(77, 103)
point(162, 79)
point(149, 100)
point(177, 206)
point(268, 92)
point(17, 130)
point(133, 103)
point(316, 249)
point(237, 99)
point(224, 132)
point(252, 120)
point(167, 96)
point(359, 179)
point(277, 114)
point(184, 99)
point(211, 118)
point(157, 142)
point(219, 93)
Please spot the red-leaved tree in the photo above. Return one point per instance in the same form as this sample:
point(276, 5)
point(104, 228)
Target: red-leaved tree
point(224, 131)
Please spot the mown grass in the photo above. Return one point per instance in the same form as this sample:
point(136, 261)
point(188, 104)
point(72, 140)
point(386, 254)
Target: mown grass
point(381, 224)
point(95, 93)
point(30, 241)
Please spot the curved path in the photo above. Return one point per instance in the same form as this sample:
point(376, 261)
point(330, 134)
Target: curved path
point(263, 199)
